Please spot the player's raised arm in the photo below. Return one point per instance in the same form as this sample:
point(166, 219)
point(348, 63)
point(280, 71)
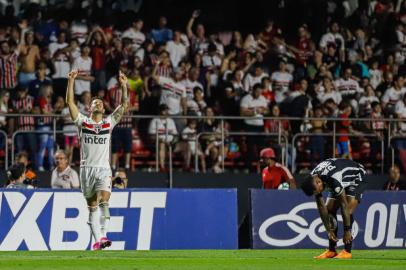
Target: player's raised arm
point(119, 111)
point(70, 100)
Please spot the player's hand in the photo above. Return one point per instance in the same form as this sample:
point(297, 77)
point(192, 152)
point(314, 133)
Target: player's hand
point(196, 13)
point(347, 237)
point(122, 78)
point(73, 74)
point(332, 236)
point(23, 24)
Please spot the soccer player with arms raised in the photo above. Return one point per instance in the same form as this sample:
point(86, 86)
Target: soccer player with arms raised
point(95, 170)
point(345, 181)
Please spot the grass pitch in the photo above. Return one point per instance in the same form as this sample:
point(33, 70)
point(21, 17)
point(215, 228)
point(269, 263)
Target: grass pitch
point(199, 259)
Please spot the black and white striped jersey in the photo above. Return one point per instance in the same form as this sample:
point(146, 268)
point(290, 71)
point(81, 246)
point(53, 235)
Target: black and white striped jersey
point(339, 173)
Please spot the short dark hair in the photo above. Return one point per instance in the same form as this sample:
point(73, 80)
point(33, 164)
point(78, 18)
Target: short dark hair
point(307, 186)
point(257, 86)
point(96, 97)
point(376, 103)
point(15, 171)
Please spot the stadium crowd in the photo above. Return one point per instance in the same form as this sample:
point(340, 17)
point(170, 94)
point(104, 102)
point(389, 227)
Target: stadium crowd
point(355, 69)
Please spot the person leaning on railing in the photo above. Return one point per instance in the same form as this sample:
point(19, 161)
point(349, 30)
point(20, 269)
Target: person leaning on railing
point(165, 129)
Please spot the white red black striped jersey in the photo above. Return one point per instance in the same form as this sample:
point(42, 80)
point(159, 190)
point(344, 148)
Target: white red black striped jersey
point(172, 94)
point(338, 174)
point(164, 71)
point(24, 122)
point(95, 141)
point(347, 86)
point(8, 71)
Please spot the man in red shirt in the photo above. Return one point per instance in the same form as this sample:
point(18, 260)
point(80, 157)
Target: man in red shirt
point(274, 174)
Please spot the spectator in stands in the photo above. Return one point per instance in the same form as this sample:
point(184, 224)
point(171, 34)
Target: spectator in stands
point(8, 66)
point(30, 174)
point(376, 74)
point(173, 93)
point(61, 58)
point(16, 177)
point(211, 58)
point(176, 49)
point(327, 91)
point(63, 176)
point(299, 105)
point(281, 81)
point(344, 127)
point(393, 95)
point(162, 34)
point(84, 103)
point(189, 134)
point(191, 82)
point(197, 105)
point(83, 64)
point(274, 174)
point(40, 80)
point(212, 140)
point(333, 37)
point(394, 183)
point(275, 125)
point(317, 142)
point(366, 101)
point(256, 78)
point(98, 43)
point(135, 34)
point(267, 90)
point(254, 105)
point(120, 180)
point(349, 88)
point(26, 141)
point(29, 55)
point(44, 124)
point(387, 82)
point(198, 41)
point(163, 130)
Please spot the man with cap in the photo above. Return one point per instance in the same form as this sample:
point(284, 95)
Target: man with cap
point(274, 174)
point(16, 176)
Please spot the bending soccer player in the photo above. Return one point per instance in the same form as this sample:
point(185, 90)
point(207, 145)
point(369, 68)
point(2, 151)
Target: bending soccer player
point(344, 179)
point(95, 170)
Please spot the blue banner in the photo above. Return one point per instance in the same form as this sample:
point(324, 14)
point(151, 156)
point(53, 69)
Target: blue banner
point(289, 219)
point(140, 219)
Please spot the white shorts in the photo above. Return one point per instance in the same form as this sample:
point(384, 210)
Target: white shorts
point(93, 179)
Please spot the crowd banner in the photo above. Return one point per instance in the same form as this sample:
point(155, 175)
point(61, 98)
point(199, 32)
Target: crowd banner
point(48, 219)
point(289, 219)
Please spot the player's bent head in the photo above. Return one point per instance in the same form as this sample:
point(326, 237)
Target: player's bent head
point(312, 185)
point(97, 105)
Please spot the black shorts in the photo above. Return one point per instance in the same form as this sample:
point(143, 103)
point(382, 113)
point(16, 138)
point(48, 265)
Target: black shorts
point(351, 191)
point(121, 138)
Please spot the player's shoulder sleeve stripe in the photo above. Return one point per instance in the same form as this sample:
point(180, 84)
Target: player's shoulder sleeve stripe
point(89, 131)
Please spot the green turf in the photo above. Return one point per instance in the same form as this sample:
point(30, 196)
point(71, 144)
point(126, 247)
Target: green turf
point(199, 259)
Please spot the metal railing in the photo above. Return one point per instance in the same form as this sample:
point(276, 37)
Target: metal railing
point(390, 130)
point(18, 132)
point(264, 134)
point(334, 144)
point(392, 149)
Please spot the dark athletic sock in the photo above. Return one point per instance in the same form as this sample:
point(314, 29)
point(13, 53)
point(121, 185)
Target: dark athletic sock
point(348, 247)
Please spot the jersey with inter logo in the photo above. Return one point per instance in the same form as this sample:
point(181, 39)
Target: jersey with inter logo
point(339, 173)
point(95, 141)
